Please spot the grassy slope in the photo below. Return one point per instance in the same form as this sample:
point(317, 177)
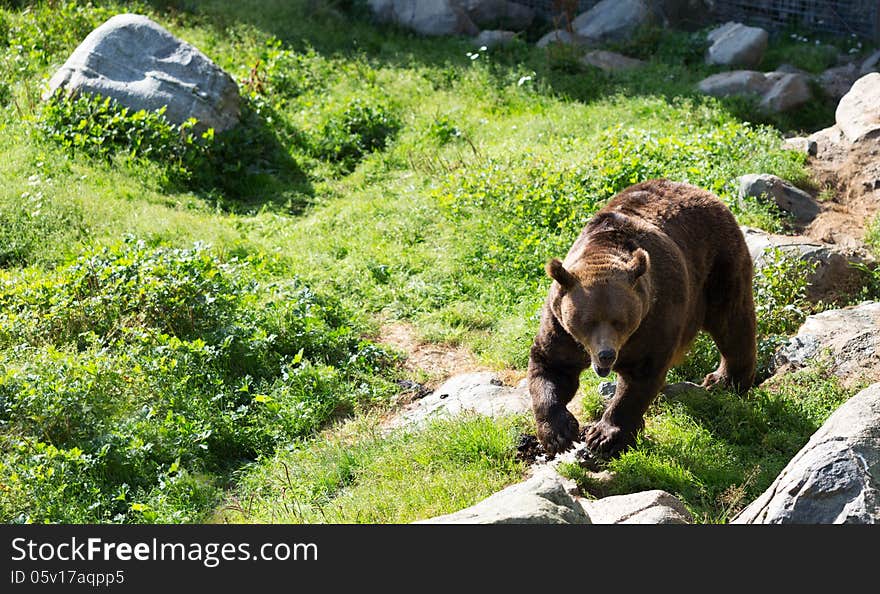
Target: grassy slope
point(397, 234)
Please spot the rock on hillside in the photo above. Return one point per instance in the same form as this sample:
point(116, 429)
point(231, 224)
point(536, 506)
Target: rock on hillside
point(547, 498)
point(613, 20)
point(776, 91)
point(851, 336)
point(734, 44)
point(479, 392)
point(787, 197)
point(858, 113)
point(835, 478)
point(833, 273)
point(142, 66)
point(543, 499)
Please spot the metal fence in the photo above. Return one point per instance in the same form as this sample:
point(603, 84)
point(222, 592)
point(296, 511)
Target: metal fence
point(836, 17)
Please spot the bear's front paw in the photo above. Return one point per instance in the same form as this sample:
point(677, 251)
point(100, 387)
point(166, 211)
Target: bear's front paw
point(557, 430)
point(607, 440)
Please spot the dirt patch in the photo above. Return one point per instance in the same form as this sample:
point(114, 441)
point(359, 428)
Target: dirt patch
point(430, 363)
point(850, 174)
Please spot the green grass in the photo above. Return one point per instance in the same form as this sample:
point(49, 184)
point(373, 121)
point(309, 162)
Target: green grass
point(358, 475)
point(376, 175)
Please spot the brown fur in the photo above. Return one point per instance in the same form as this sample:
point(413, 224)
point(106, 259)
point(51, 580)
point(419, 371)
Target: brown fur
point(660, 262)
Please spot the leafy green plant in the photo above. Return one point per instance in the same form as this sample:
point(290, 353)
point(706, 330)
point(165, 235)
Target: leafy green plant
point(358, 127)
point(139, 364)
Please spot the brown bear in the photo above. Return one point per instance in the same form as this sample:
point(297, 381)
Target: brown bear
point(661, 261)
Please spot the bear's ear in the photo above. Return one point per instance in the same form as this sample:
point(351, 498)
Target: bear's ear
point(638, 265)
point(557, 272)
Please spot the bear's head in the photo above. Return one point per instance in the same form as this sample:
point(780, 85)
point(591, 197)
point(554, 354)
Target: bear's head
point(602, 309)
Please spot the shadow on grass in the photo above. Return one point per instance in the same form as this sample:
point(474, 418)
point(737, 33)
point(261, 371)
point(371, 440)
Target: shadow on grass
point(248, 167)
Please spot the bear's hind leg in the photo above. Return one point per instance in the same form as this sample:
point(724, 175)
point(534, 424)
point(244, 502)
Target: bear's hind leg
point(733, 330)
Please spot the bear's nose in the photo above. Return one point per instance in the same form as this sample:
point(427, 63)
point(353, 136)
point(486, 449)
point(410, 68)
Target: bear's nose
point(606, 357)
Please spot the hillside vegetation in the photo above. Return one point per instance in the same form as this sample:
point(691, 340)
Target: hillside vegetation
point(188, 322)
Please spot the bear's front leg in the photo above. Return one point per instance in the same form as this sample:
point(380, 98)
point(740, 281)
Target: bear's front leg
point(625, 416)
point(555, 365)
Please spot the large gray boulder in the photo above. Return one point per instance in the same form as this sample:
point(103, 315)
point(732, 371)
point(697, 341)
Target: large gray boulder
point(858, 113)
point(491, 39)
point(479, 393)
point(776, 91)
point(835, 478)
point(142, 66)
point(613, 20)
point(428, 17)
point(734, 44)
point(646, 507)
point(499, 13)
point(543, 499)
point(848, 337)
point(833, 273)
point(787, 197)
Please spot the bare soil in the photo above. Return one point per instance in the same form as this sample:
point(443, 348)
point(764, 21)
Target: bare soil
point(850, 174)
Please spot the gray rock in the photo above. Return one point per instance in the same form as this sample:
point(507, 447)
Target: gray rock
point(607, 390)
point(870, 63)
point(836, 82)
point(777, 91)
point(142, 66)
point(646, 507)
point(480, 393)
point(734, 44)
point(801, 144)
point(858, 113)
point(786, 196)
point(613, 20)
point(610, 61)
point(849, 336)
point(736, 82)
point(493, 39)
point(499, 13)
point(833, 273)
point(542, 499)
point(561, 37)
point(787, 92)
point(835, 478)
point(428, 17)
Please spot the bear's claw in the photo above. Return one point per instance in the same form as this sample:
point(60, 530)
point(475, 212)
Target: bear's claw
point(607, 440)
point(558, 431)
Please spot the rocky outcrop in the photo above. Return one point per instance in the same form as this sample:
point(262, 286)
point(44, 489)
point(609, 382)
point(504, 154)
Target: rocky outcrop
point(734, 44)
point(479, 393)
point(776, 91)
point(833, 273)
point(610, 61)
point(835, 478)
point(849, 338)
point(613, 20)
point(543, 499)
point(786, 196)
point(139, 64)
point(858, 113)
